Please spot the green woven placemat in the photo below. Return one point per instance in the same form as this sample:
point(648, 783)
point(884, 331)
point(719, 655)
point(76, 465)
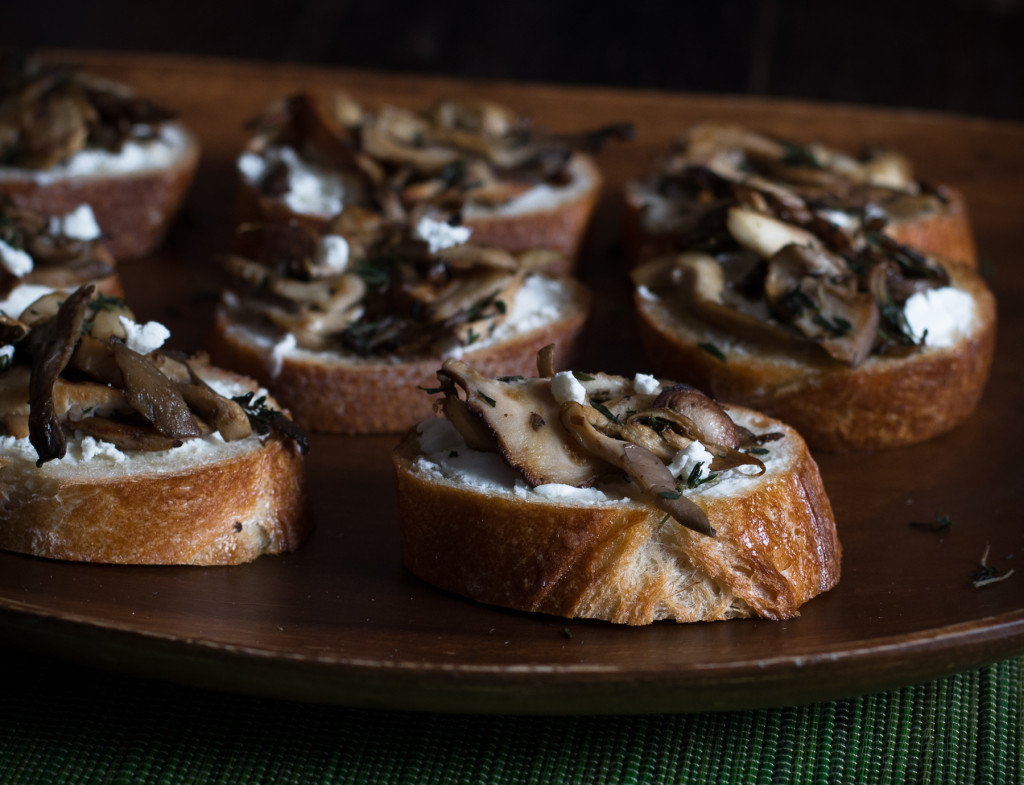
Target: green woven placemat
point(61, 724)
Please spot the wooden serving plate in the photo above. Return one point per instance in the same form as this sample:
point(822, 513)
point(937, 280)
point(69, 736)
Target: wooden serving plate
point(341, 621)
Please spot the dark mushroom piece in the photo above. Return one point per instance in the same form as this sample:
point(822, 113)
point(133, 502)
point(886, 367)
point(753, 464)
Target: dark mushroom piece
point(712, 421)
point(642, 466)
point(51, 345)
point(816, 293)
point(154, 396)
point(520, 420)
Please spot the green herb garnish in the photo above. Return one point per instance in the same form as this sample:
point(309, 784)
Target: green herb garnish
point(487, 399)
point(265, 419)
point(582, 377)
point(430, 390)
point(695, 480)
point(605, 411)
point(713, 350)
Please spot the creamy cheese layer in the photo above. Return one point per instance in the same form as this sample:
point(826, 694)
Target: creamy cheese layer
point(311, 188)
point(446, 456)
point(539, 302)
point(160, 152)
point(319, 190)
point(942, 317)
point(85, 453)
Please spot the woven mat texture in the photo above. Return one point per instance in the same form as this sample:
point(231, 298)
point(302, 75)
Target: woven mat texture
point(70, 724)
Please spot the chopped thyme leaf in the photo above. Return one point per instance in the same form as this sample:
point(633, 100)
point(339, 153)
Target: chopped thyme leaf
point(800, 155)
point(376, 273)
point(430, 390)
point(582, 377)
point(472, 337)
point(940, 524)
point(500, 307)
point(670, 494)
point(106, 302)
point(490, 401)
point(510, 378)
point(265, 419)
point(695, 480)
point(713, 350)
point(566, 633)
point(758, 451)
point(604, 410)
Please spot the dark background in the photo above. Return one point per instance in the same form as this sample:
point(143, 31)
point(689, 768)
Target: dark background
point(963, 56)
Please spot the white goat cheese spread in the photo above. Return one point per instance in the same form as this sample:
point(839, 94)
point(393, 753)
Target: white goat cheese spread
point(440, 235)
point(682, 465)
point(446, 457)
point(281, 349)
point(21, 297)
point(539, 198)
point(333, 252)
point(312, 188)
point(645, 384)
point(143, 338)
point(158, 152)
point(540, 301)
point(566, 387)
point(15, 260)
point(943, 316)
point(79, 224)
point(82, 449)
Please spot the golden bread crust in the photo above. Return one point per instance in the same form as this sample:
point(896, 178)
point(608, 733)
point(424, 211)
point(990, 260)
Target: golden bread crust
point(776, 547)
point(882, 403)
point(225, 509)
point(351, 396)
point(134, 210)
point(946, 233)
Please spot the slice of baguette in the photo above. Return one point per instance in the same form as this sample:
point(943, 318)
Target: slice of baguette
point(340, 392)
point(884, 402)
point(623, 561)
point(208, 502)
point(134, 209)
point(544, 218)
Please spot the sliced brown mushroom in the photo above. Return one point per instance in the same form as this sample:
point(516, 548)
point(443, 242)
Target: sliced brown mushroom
point(508, 411)
point(642, 466)
point(142, 437)
point(51, 344)
point(223, 414)
point(765, 234)
point(701, 284)
point(815, 292)
point(711, 420)
point(154, 396)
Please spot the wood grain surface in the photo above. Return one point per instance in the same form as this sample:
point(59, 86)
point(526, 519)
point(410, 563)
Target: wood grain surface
point(341, 621)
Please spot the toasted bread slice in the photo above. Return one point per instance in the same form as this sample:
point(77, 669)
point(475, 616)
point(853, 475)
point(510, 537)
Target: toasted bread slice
point(207, 502)
point(471, 525)
point(886, 401)
point(338, 391)
point(134, 209)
